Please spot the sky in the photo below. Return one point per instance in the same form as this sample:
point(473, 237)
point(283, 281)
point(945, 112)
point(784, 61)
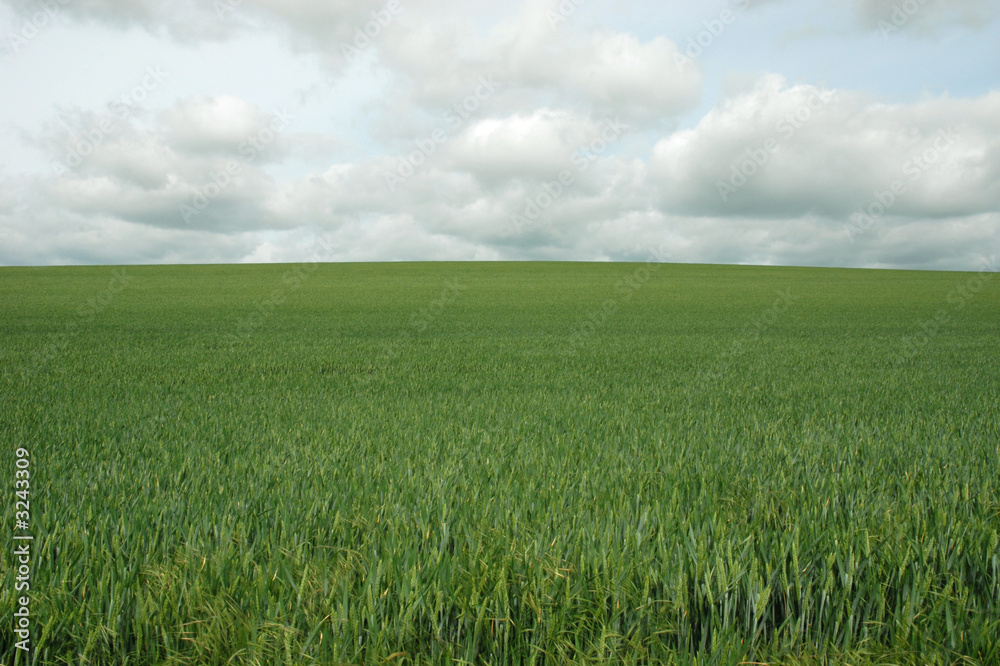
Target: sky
point(854, 133)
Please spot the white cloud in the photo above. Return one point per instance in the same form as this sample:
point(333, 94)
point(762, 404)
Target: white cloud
point(212, 124)
point(551, 89)
point(599, 71)
point(825, 164)
point(217, 149)
point(618, 74)
point(522, 146)
point(831, 152)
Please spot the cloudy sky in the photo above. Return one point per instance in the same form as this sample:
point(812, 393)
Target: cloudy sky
point(793, 132)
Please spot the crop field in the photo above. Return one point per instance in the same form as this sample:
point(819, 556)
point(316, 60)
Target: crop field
point(503, 463)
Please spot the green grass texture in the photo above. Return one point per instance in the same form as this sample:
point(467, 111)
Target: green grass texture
point(503, 463)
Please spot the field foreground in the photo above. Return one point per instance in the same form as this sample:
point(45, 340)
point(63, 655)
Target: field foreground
point(499, 463)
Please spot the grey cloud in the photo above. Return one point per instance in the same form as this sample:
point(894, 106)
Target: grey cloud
point(322, 23)
point(924, 16)
point(206, 154)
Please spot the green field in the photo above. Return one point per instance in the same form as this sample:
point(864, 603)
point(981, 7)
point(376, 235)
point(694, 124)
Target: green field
point(497, 463)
